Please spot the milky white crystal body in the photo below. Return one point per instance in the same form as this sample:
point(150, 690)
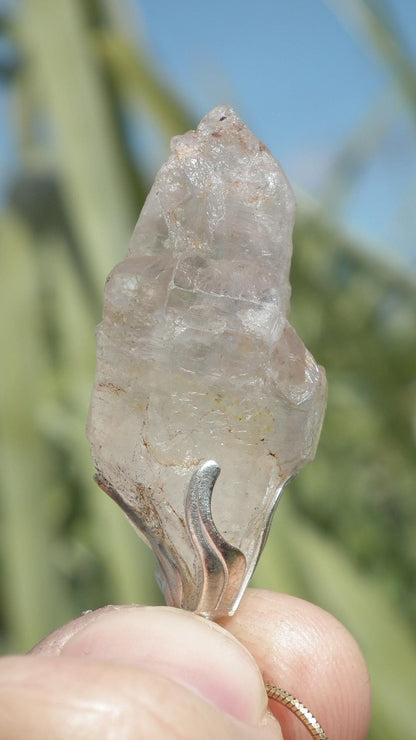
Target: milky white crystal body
point(196, 358)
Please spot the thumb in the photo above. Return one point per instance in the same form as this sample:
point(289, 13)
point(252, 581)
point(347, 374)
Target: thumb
point(137, 672)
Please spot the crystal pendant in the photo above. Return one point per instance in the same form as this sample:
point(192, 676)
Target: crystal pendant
point(198, 369)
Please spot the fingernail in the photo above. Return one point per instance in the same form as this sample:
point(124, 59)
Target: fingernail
point(181, 646)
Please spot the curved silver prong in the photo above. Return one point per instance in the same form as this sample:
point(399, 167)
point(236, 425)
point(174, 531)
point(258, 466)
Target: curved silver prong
point(222, 566)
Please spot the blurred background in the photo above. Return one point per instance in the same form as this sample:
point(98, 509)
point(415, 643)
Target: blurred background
point(90, 93)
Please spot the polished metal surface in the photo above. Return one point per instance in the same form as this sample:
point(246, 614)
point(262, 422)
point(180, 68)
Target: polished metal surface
point(222, 566)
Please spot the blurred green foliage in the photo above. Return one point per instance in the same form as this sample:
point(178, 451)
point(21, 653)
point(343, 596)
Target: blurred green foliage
point(344, 536)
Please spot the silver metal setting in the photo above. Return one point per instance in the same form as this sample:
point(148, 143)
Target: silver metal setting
point(222, 566)
point(222, 572)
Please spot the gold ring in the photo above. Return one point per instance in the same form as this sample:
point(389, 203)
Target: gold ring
point(296, 706)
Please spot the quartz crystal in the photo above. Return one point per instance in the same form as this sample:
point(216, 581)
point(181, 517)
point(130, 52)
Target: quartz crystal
point(196, 359)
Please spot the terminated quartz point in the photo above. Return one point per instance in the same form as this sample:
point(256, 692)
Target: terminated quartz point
point(197, 362)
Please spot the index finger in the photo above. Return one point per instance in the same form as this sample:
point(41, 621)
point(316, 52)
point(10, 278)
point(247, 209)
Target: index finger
point(304, 650)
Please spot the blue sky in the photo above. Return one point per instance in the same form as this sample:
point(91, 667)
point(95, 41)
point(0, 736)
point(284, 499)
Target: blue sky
point(304, 80)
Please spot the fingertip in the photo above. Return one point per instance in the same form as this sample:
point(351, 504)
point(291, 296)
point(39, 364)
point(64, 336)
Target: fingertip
point(73, 699)
point(306, 651)
point(179, 645)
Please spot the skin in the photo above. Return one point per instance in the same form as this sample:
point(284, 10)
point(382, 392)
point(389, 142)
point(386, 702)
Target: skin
point(133, 672)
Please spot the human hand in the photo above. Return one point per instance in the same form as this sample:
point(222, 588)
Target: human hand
point(128, 672)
